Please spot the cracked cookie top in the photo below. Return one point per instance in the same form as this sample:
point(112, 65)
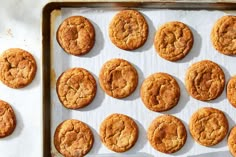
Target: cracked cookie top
point(17, 68)
point(231, 91)
point(223, 35)
point(76, 35)
point(128, 30)
point(173, 40)
point(208, 126)
point(76, 88)
point(7, 119)
point(167, 134)
point(232, 141)
point(160, 92)
point(205, 80)
point(118, 78)
point(73, 138)
point(118, 132)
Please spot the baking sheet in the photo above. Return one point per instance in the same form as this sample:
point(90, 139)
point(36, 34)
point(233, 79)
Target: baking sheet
point(147, 62)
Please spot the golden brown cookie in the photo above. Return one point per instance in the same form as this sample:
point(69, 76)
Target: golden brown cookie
point(7, 119)
point(76, 35)
point(231, 91)
point(76, 88)
point(205, 80)
point(173, 40)
point(232, 141)
point(118, 132)
point(128, 30)
point(118, 78)
point(73, 138)
point(160, 92)
point(17, 68)
point(223, 35)
point(208, 126)
point(167, 134)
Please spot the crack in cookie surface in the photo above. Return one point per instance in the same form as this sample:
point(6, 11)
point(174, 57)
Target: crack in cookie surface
point(76, 88)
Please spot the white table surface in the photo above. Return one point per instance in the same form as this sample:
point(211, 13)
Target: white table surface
point(20, 27)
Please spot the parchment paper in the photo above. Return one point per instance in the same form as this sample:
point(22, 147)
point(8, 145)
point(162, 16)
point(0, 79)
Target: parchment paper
point(146, 61)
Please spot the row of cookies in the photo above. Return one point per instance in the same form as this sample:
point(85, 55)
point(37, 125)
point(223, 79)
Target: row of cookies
point(205, 80)
point(166, 133)
point(17, 70)
point(128, 30)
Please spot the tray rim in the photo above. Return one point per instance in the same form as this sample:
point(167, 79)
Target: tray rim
point(46, 38)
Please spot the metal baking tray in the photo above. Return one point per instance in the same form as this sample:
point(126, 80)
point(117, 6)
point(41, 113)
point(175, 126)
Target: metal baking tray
point(47, 39)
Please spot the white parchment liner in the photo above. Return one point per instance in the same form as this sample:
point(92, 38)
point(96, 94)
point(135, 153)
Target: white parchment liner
point(147, 62)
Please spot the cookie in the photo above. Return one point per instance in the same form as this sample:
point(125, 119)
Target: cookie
point(205, 80)
point(173, 40)
point(118, 78)
point(73, 138)
point(167, 134)
point(7, 119)
point(231, 91)
point(223, 35)
point(118, 132)
point(76, 35)
point(76, 88)
point(128, 30)
point(232, 141)
point(17, 68)
point(160, 92)
point(208, 126)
